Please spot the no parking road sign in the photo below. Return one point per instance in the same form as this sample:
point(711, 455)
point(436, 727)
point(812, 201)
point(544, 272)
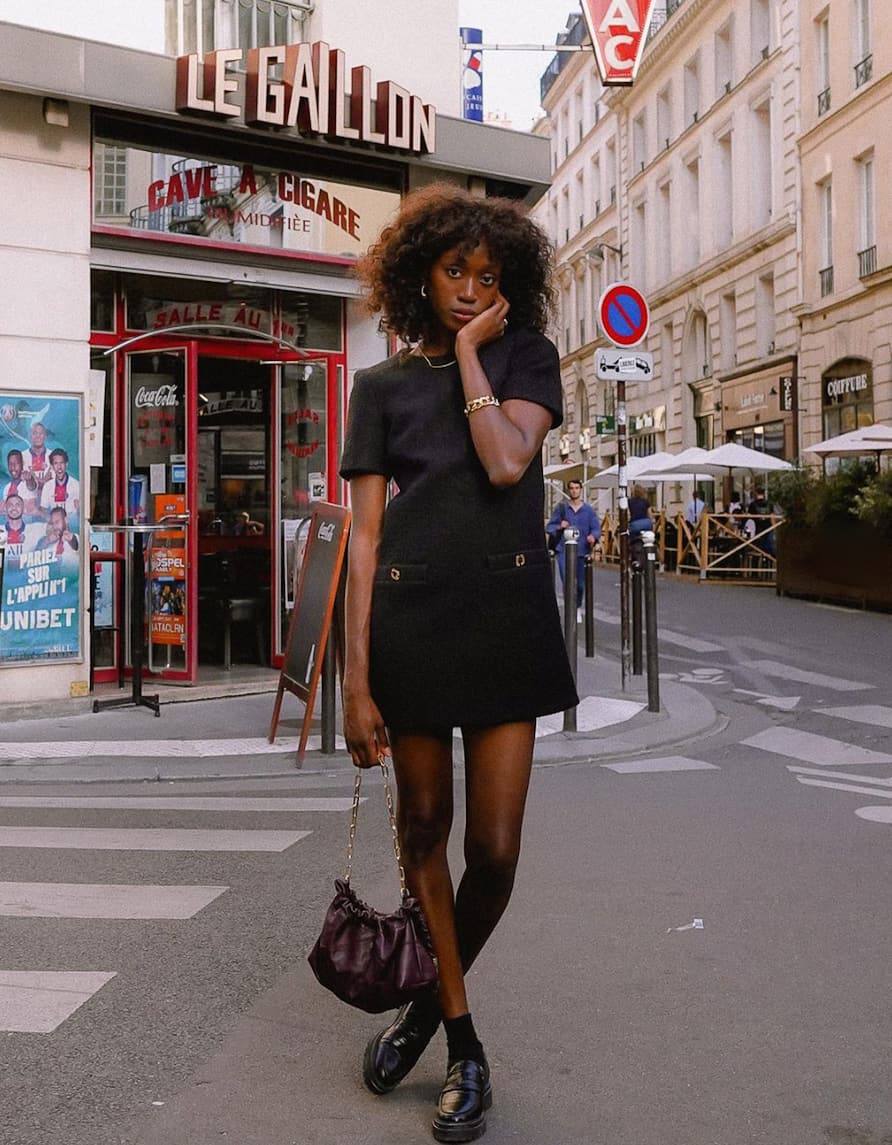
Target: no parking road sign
point(623, 314)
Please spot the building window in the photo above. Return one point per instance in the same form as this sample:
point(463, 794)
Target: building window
point(724, 214)
point(204, 25)
point(867, 255)
point(692, 90)
point(728, 330)
point(664, 228)
point(847, 396)
point(760, 29)
point(766, 315)
point(724, 58)
point(110, 180)
point(761, 169)
point(863, 57)
point(692, 210)
point(639, 243)
point(664, 117)
point(825, 207)
point(822, 31)
point(639, 142)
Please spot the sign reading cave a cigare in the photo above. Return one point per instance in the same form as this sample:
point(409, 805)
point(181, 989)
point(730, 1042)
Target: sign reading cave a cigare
point(305, 87)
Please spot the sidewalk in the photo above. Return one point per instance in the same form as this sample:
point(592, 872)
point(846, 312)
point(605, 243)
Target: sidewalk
point(211, 736)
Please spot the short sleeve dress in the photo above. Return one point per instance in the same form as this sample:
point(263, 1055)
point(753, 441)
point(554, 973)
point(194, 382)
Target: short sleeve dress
point(465, 629)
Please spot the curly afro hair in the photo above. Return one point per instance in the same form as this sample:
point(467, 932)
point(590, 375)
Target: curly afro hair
point(438, 218)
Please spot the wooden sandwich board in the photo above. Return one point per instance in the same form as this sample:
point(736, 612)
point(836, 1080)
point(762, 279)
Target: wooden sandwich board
point(314, 608)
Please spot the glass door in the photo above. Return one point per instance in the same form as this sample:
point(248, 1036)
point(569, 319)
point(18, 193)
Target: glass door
point(157, 486)
point(301, 473)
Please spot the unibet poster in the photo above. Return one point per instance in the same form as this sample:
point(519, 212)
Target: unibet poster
point(41, 512)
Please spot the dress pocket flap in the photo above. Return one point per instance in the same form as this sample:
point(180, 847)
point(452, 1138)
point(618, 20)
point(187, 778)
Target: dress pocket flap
point(401, 574)
point(524, 558)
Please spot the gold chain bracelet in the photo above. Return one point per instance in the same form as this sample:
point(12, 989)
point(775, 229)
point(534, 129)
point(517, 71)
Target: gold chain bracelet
point(480, 403)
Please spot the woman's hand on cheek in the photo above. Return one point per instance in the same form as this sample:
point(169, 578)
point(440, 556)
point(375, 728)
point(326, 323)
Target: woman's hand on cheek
point(488, 326)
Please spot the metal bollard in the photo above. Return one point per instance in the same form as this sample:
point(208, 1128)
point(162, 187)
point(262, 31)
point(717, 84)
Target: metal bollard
point(590, 607)
point(571, 548)
point(650, 619)
point(637, 661)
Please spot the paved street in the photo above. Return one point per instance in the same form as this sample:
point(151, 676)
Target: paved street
point(154, 988)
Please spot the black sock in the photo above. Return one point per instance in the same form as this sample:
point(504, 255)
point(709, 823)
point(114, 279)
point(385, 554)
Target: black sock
point(426, 1009)
point(462, 1041)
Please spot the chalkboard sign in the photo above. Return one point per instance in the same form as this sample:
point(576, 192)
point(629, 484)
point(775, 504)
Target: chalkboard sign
point(314, 605)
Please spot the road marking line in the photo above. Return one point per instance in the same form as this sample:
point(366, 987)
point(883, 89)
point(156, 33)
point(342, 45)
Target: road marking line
point(874, 714)
point(662, 763)
point(813, 748)
point(166, 749)
point(875, 814)
point(858, 790)
point(181, 802)
point(104, 900)
point(689, 642)
point(846, 775)
point(787, 672)
point(39, 1001)
point(593, 712)
point(148, 839)
point(784, 703)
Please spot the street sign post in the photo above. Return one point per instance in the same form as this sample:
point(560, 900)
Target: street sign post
point(637, 366)
point(623, 314)
point(624, 318)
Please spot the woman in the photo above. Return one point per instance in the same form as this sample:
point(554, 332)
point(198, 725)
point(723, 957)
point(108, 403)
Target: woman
point(639, 511)
point(451, 617)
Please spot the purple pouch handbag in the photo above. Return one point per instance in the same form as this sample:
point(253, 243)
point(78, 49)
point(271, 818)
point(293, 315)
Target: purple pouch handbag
point(370, 960)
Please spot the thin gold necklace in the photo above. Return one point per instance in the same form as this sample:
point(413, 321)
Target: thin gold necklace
point(441, 366)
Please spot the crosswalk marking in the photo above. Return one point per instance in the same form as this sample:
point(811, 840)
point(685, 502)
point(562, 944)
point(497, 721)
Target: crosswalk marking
point(180, 803)
point(846, 775)
point(104, 900)
point(787, 672)
point(38, 1001)
point(592, 713)
point(692, 643)
point(148, 839)
point(662, 763)
point(854, 787)
point(165, 749)
point(813, 748)
point(875, 814)
point(874, 714)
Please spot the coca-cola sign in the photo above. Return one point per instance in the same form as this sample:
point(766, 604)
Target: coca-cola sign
point(156, 418)
point(163, 395)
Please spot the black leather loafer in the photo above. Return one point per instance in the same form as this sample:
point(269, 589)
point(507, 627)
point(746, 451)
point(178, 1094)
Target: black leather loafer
point(464, 1099)
point(392, 1053)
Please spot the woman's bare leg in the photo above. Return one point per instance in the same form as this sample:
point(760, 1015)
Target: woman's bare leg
point(498, 761)
point(423, 766)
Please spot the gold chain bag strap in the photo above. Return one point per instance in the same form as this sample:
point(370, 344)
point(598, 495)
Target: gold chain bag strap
point(370, 960)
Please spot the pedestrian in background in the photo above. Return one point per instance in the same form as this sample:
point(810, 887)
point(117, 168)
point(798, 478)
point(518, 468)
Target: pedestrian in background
point(451, 619)
point(694, 508)
point(575, 513)
point(639, 511)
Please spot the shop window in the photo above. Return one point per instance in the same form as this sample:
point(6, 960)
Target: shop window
point(109, 180)
point(847, 396)
point(100, 449)
point(102, 300)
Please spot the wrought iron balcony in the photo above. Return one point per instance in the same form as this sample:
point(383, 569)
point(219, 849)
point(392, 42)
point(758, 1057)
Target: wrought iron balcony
point(867, 261)
point(826, 281)
point(863, 71)
point(824, 101)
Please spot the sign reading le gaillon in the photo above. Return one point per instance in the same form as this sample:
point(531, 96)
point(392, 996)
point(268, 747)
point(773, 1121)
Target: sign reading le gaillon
point(304, 86)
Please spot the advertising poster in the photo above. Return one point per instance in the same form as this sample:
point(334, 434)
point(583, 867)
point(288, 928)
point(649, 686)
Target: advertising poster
point(40, 509)
point(167, 578)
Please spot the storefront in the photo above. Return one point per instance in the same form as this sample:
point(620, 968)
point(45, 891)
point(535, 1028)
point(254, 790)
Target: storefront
point(847, 396)
point(224, 330)
point(759, 410)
